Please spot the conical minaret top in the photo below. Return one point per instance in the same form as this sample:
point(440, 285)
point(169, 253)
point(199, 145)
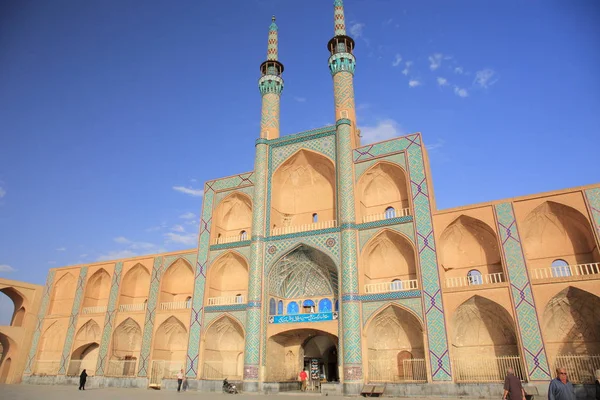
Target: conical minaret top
point(338, 18)
point(272, 48)
point(271, 86)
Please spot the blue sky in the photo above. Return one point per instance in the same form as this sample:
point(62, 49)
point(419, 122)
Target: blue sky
point(113, 114)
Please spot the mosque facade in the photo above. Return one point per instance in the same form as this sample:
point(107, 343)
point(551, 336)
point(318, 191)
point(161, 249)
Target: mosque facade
point(332, 257)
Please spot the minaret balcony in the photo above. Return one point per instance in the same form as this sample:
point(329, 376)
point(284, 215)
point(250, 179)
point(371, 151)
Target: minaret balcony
point(475, 280)
point(391, 213)
point(226, 300)
point(284, 230)
point(94, 310)
point(394, 286)
point(566, 272)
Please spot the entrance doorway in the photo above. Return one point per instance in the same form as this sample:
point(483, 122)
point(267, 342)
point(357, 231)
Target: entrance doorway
point(313, 350)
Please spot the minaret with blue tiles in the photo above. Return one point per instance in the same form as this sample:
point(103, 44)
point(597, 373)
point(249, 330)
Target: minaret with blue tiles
point(341, 65)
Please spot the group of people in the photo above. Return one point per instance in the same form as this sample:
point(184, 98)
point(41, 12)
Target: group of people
point(560, 387)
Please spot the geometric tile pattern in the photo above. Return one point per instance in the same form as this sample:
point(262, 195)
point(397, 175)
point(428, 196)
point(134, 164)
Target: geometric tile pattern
point(269, 120)
point(157, 270)
point(593, 200)
point(40, 320)
point(412, 304)
point(406, 230)
point(520, 289)
point(73, 321)
point(272, 43)
point(324, 145)
point(406, 294)
point(233, 245)
point(397, 159)
point(111, 312)
point(248, 190)
point(225, 308)
point(386, 222)
point(338, 18)
point(432, 298)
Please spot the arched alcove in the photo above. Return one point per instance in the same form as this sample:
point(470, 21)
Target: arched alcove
point(89, 333)
point(177, 283)
point(228, 276)
point(63, 295)
point(126, 341)
point(97, 289)
point(386, 259)
point(135, 286)
point(553, 230)
point(382, 186)
point(50, 349)
point(469, 244)
point(224, 350)
point(232, 216)
point(302, 186)
point(170, 341)
point(393, 336)
point(571, 323)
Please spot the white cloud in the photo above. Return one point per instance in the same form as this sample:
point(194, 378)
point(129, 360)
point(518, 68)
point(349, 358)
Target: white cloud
point(437, 145)
point(114, 255)
point(385, 129)
point(2, 192)
point(397, 60)
point(435, 61)
point(190, 191)
point(459, 70)
point(461, 92)
point(83, 255)
point(6, 268)
point(156, 228)
point(61, 249)
point(193, 180)
point(406, 70)
point(485, 78)
point(178, 228)
point(442, 81)
point(122, 240)
point(187, 239)
point(300, 99)
point(414, 83)
point(133, 245)
point(356, 29)
point(188, 215)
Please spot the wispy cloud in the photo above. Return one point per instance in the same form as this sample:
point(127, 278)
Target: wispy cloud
point(435, 61)
point(388, 22)
point(437, 145)
point(461, 92)
point(414, 83)
point(385, 129)
point(2, 192)
point(178, 228)
point(300, 99)
point(356, 29)
point(485, 78)
point(442, 81)
point(83, 255)
point(6, 268)
point(189, 190)
point(397, 60)
point(188, 215)
point(117, 254)
point(193, 180)
point(61, 249)
point(188, 239)
point(407, 66)
point(135, 245)
point(459, 70)
point(156, 228)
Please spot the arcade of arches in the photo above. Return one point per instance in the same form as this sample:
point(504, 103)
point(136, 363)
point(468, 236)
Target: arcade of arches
point(380, 187)
point(224, 350)
point(135, 286)
point(232, 217)
point(228, 276)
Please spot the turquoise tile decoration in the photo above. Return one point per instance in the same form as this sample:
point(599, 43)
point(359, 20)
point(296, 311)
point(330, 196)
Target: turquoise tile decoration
point(66, 355)
point(109, 319)
point(593, 200)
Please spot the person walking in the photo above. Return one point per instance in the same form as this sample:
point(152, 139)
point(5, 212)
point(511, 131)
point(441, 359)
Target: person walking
point(82, 379)
point(560, 388)
point(303, 378)
point(513, 387)
point(179, 379)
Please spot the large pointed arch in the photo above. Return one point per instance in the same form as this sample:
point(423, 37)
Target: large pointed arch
point(126, 340)
point(303, 190)
point(170, 341)
point(469, 244)
point(228, 276)
point(388, 263)
point(224, 349)
point(135, 286)
point(97, 289)
point(556, 231)
point(381, 187)
point(571, 322)
point(395, 346)
point(232, 216)
point(177, 283)
point(63, 295)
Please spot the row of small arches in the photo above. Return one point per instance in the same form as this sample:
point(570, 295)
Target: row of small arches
point(302, 306)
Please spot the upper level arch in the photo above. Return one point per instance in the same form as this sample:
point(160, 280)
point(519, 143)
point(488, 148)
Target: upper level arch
point(177, 283)
point(227, 280)
point(63, 294)
point(554, 230)
point(382, 193)
point(135, 286)
point(388, 263)
point(302, 186)
point(231, 217)
point(19, 302)
point(469, 244)
point(97, 289)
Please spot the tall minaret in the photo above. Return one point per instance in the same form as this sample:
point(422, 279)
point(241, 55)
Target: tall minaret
point(341, 65)
point(271, 86)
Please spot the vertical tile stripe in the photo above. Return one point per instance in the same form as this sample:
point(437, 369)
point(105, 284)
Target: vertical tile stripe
point(66, 355)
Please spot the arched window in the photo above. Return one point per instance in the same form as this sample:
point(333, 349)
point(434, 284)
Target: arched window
point(243, 235)
point(239, 298)
point(308, 306)
point(280, 307)
point(292, 308)
point(396, 285)
point(272, 307)
point(315, 218)
point(560, 268)
point(390, 212)
point(325, 305)
point(475, 277)
point(188, 302)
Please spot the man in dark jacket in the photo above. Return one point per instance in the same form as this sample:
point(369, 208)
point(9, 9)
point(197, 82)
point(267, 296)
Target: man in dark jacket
point(82, 379)
point(513, 387)
point(560, 387)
